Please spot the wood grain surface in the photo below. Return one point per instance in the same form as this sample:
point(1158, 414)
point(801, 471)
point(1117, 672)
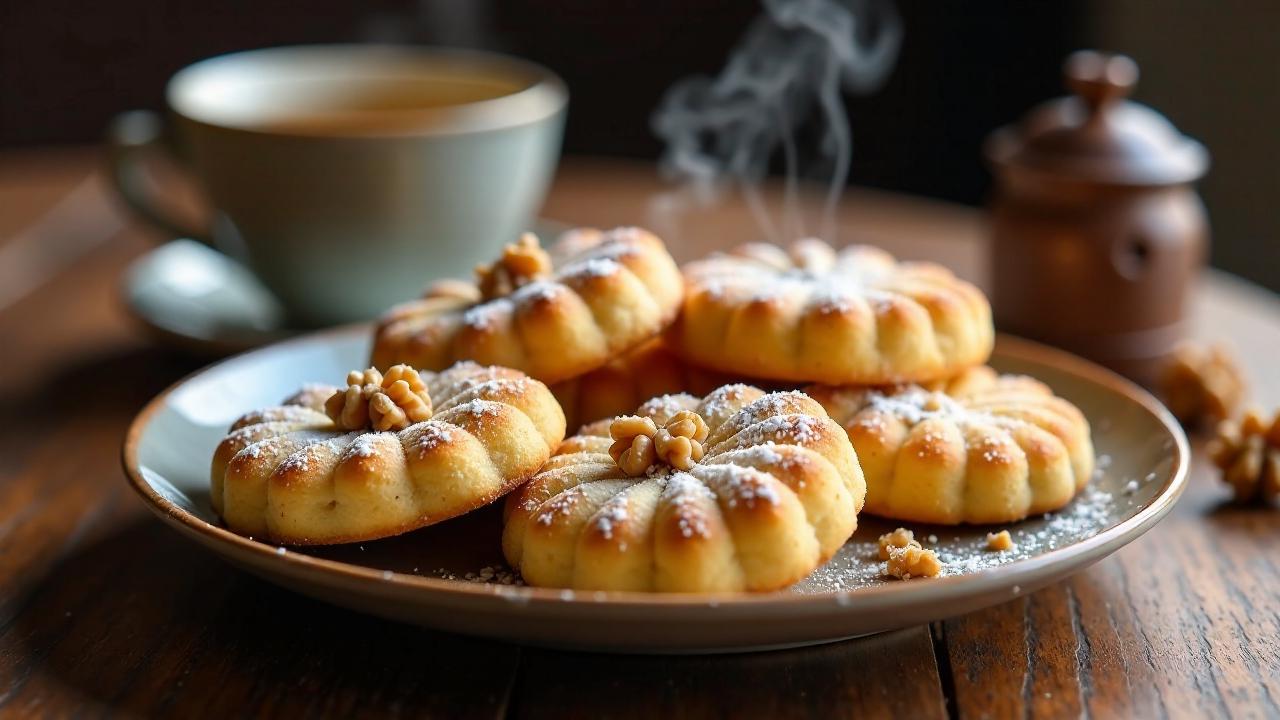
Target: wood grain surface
point(102, 609)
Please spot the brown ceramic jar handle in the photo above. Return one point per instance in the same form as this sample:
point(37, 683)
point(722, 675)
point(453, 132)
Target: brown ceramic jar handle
point(1099, 78)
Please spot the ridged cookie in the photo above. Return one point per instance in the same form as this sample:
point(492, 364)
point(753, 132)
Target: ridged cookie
point(979, 448)
point(812, 314)
point(740, 490)
point(554, 315)
point(383, 456)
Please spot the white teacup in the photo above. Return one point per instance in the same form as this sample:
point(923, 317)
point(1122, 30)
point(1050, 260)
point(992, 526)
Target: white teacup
point(349, 176)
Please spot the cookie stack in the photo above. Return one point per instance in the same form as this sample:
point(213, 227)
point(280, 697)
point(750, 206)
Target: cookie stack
point(684, 474)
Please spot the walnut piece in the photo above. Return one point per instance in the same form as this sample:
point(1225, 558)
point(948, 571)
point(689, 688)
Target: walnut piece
point(1202, 384)
point(632, 445)
point(912, 560)
point(679, 442)
point(999, 542)
point(371, 400)
point(1248, 453)
point(521, 263)
point(899, 538)
point(638, 442)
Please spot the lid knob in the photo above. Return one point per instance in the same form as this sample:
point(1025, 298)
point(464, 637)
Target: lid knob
point(1099, 78)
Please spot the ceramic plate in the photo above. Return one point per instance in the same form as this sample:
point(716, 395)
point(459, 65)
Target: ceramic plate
point(451, 576)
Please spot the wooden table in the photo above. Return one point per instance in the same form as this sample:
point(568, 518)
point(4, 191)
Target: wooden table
point(102, 608)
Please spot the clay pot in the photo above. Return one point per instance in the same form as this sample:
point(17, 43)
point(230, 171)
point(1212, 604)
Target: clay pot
point(1098, 234)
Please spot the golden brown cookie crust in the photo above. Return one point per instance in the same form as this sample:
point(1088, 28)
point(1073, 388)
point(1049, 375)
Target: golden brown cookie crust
point(774, 491)
point(814, 314)
point(997, 449)
point(606, 293)
point(292, 474)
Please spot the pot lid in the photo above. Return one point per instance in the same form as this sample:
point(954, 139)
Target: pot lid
point(1096, 134)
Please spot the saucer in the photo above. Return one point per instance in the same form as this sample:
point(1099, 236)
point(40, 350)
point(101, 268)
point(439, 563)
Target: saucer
point(195, 298)
point(198, 299)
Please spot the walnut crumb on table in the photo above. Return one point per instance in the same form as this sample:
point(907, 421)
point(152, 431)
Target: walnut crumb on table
point(1000, 541)
point(1248, 453)
point(1202, 384)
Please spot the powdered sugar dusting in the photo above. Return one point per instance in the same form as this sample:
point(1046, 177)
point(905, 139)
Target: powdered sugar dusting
point(365, 446)
point(536, 292)
point(664, 407)
point(469, 370)
point(301, 461)
point(297, 463)
point(963, 550)
point(595, 267)
point(786, 429)
point(766, 454)
point(1089, 513)
point(723, 402)
point(562, 505)
point(487, 388)
point(829, 299)
point(481, 409)
point(739, 485)
point(915, 405)
point(687, 497)
point(611, 515)
point(992, 450)
point(267, 446)
point(467, 375)
point(780, 403)
point(814, 279)
point(487, 316)
point(431, 435)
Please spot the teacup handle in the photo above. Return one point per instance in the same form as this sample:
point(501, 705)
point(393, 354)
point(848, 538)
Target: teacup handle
point(137, 141)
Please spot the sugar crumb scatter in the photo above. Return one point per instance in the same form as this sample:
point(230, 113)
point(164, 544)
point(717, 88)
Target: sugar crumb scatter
point(487, 575)
point(858, 564)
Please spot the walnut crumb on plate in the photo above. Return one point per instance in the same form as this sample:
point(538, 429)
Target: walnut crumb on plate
point(912, 560)
point(899, 538)
point(997, 542)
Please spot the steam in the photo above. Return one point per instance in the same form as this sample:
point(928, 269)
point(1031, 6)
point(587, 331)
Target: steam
point(781, 86)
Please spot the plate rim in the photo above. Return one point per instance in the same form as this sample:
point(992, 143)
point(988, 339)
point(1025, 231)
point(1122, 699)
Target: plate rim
point(1082, 552)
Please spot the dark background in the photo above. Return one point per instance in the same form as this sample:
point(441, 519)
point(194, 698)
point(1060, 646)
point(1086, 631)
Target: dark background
point(965, 68)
